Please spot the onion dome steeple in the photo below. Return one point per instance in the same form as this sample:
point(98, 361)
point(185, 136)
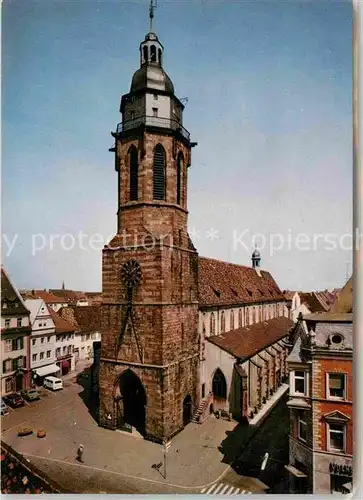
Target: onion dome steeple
point(151, 75)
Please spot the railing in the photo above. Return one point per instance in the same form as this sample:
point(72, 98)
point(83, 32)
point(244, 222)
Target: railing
point(153, 121)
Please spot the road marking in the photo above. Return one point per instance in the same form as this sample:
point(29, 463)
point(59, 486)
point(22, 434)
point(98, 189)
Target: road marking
point(139, 478)
point(223, 489)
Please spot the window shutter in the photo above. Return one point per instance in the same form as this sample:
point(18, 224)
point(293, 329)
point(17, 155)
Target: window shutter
point(15, 364)
point(159, 173)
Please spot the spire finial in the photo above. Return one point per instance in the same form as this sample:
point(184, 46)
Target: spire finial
point(153, 5)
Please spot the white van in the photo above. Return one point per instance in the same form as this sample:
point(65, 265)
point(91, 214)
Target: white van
point(53, 383)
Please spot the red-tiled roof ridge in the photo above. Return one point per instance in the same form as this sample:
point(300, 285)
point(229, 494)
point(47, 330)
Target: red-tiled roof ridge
point(245, 342)
point(49, 297)
point(226, 283)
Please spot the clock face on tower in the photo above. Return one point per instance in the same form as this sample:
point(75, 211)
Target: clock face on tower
point(131, 274)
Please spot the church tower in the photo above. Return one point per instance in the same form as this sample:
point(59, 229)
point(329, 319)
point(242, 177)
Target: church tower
point(149, 365)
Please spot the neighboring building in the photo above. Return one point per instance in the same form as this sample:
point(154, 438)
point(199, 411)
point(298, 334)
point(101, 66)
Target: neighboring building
point(42, 341)
point(87, 324)
point(179, 332)
point(94, 298)
point(294, 306)
point(51, 300)
point(321, 398)
point(242, 330)
point(343, 302)
point(72, 297)
point(317, 301)
point(64, 343)
point(15, 334)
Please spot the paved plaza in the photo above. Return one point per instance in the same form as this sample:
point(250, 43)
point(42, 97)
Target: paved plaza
point(120, 462)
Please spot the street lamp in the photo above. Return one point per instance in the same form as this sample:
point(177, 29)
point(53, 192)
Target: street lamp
point(265, 460)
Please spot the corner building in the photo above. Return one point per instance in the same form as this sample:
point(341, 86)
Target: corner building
point(149, 365)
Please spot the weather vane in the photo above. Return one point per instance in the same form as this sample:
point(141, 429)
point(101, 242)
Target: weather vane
point(153, 5)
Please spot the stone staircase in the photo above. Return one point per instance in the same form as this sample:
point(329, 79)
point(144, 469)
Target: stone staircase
point(203, 409)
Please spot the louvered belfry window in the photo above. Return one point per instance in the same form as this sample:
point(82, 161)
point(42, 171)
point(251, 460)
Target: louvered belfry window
point(134, 173)
point(159, 173)
point(178, 178)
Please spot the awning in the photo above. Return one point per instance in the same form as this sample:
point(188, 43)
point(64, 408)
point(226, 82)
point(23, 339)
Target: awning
point(294, 471)
point(46, 370)
point(65, 364)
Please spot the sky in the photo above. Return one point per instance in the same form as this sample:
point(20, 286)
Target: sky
point(269, 88)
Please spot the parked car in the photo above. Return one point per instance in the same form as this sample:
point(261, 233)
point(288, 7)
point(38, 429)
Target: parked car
point(4, 407)
point(53, 383)
point(30, 394)
point(14, 400)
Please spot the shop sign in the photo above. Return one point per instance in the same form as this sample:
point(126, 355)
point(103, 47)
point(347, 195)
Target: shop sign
point(341, 470)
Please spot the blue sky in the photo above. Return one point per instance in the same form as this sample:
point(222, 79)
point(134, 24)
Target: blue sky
point(269, 88)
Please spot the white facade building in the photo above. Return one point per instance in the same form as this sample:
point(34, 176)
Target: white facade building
point(42, 341)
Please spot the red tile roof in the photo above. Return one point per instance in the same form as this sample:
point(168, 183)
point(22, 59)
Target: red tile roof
point(245, 342)
point(49, 298)
point(313, 302)
point(289, 295)
point(223, 283)
point(84, 318)
point(61, 325)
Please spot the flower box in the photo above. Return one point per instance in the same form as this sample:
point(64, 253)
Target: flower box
point(25, 431)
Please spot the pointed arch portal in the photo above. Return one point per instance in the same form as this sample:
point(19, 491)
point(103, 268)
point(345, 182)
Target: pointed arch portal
point(219, 386)
point(131, 402)
point(187, 410)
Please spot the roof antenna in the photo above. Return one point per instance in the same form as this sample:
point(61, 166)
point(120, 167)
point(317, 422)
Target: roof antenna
point(153, 5)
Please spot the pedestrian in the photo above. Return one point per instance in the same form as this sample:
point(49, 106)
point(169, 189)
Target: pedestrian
point(80, 453)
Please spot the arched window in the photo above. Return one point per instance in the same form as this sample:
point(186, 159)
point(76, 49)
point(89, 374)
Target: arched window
point(145, 53)
point(160, 57)
point(159, 173)
point(179, 170)
point(223, 322)
point(153, 53)
point(134, 173)
point(212, 324)
point(257, 314)
point(232, 321)
point(219, 386)
point(240, 318)
point(247, 316)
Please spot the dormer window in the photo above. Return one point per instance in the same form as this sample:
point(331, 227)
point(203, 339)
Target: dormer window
point(249, 292)
point(217, 292)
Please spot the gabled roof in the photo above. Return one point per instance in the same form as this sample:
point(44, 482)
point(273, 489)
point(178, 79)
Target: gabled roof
point(289, 294)
point(61, 325)
point(313, 302)
point(11, 297)
point(49, 298)
point(71, 295)
point(344, 300)
point(245, 342)
point(33, 305)
point(224, 283)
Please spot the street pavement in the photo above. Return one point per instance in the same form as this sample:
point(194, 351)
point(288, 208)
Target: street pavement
point(117, 462)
